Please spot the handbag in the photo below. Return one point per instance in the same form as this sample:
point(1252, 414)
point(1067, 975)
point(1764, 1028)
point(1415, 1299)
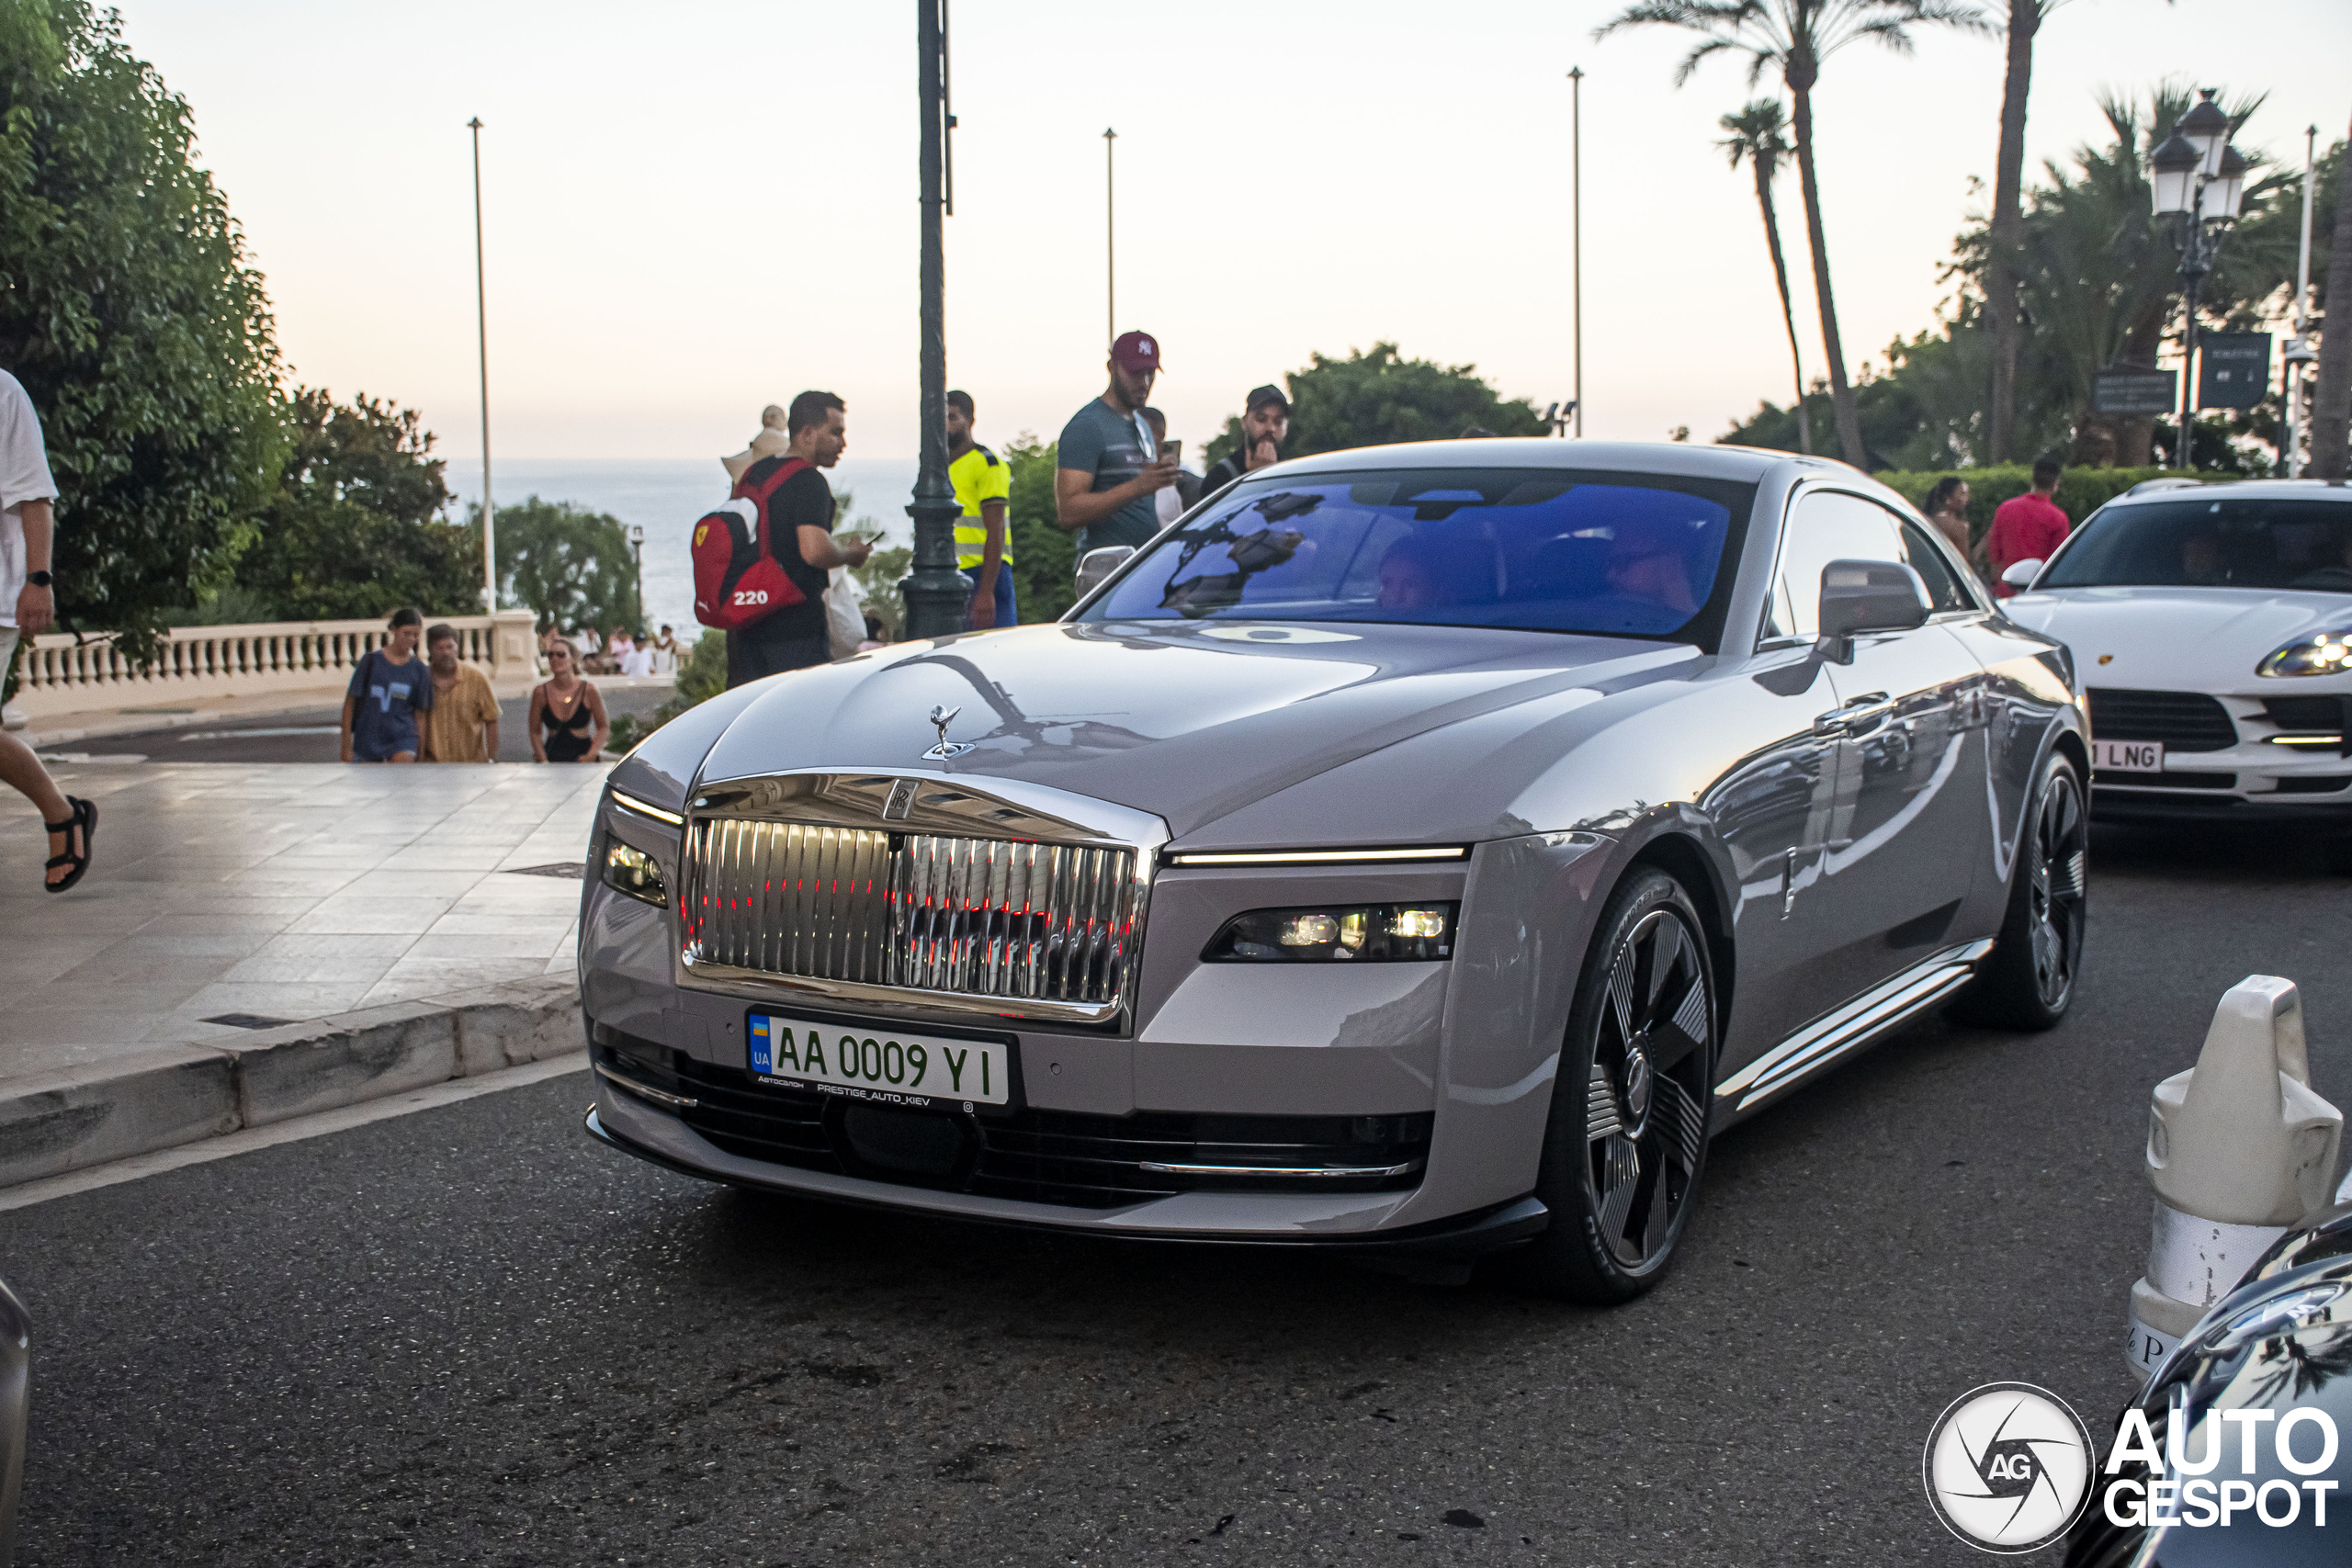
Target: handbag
point(844, 612)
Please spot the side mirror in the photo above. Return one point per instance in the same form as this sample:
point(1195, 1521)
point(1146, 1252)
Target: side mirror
point(2021, 573)
point(1859, 596)
point(1095, 565)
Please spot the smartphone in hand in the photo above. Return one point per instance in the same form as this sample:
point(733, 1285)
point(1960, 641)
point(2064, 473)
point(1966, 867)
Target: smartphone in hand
point(1172, 452)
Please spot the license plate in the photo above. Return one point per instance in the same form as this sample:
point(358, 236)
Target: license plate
point(888, 1066)
point(2128, 756)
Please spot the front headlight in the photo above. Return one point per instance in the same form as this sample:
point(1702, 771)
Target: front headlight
point(631, 870)
point(1375, 933)
point(2325, 652)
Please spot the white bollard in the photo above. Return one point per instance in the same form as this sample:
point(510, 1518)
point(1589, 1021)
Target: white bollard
point(2239, 1148)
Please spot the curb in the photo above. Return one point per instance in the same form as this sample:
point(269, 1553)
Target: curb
point(62, 1120)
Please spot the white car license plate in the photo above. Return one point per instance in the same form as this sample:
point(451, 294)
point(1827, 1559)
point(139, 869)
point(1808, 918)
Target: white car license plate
point(2128, 756)
point(888, 1066)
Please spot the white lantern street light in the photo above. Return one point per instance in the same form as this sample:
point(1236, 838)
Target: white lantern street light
point(2225, 192)
point(2206, 129)
point(2172, 175)
point(2197, 183)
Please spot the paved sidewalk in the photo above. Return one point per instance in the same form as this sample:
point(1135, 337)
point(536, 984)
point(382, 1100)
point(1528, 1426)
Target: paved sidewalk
point(364, 930)
point(289, 892)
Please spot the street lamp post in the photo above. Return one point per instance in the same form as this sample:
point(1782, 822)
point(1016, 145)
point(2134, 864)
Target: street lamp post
point(2298, 347)
point(482, 324)
point(637, 543)
point(2197, 181)
point(1110, 240)
point(1576, 230)
point(935, 589)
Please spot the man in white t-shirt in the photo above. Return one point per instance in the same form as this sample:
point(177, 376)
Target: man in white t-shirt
point(27, 605)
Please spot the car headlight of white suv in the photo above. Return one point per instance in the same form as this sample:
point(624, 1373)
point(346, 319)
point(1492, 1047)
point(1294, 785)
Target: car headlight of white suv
point(2326, 652)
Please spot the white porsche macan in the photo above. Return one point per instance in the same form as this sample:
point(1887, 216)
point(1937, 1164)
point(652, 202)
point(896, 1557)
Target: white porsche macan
point(2211, 625)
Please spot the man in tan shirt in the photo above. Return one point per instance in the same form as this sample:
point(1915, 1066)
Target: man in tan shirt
point(462, 724)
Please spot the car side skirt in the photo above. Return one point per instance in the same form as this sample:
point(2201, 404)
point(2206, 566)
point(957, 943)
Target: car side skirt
point(1865, 1018)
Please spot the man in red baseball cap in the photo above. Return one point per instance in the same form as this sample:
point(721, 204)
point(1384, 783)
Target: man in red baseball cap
point(1110, 465)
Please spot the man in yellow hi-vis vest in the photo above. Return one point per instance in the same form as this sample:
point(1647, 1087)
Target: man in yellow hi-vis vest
point(983, 483)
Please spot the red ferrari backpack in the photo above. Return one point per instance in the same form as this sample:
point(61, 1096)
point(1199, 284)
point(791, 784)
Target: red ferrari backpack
point(738, 581)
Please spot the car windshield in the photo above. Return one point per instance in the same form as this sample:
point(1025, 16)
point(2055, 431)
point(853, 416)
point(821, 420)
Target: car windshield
point(1543, 549)
point(2227, 543)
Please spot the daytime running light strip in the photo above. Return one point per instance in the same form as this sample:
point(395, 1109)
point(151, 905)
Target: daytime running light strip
point(647, 808)
point(1319, 857)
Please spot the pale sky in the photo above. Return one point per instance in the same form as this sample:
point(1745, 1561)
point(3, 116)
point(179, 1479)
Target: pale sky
point(698, 208)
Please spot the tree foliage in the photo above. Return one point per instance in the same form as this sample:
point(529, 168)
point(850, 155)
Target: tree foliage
point(567, 564)
point(1794, 38)
point(128, 312)
point(2098, 286)
point(2080, 493)
point(355, 529)
point(1378, 398)
point(1044, 555)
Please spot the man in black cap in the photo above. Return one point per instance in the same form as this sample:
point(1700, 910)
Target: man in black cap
point(1265, 422)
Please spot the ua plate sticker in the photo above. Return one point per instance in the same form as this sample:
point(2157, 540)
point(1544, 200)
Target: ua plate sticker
point(893, 1067)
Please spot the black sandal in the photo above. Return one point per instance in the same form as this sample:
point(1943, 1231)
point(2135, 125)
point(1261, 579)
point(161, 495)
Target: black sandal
point(85, 818)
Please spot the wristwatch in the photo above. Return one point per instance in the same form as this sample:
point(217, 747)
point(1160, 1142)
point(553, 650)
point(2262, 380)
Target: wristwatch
point(37, 580)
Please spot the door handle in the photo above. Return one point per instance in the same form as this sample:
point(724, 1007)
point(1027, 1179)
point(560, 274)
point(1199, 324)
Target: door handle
point(1841, 719)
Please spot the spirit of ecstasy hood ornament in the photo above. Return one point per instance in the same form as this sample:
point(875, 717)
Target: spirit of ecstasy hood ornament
point(941, 717)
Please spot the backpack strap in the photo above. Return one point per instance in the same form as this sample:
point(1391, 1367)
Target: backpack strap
point(759, 488)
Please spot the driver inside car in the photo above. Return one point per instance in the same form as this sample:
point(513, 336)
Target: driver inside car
point(1646, 562)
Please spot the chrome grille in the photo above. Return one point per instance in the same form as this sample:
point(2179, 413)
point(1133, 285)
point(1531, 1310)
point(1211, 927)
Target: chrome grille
point(924, 911)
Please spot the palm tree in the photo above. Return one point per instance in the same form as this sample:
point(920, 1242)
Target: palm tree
point(1755, 136)
point(2002, 282)
point(2007, 226)
point(2332, 402)
point(1795, 37)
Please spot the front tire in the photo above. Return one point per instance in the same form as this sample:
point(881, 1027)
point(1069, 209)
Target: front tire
point(2027, 982)
point(1627, 1138)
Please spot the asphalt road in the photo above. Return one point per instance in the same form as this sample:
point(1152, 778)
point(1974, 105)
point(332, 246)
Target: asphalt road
point(470, 1335)
point(310, 734)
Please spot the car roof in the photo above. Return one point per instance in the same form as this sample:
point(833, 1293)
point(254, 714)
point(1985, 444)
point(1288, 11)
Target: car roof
point(2247, 489)
point(1679, 458)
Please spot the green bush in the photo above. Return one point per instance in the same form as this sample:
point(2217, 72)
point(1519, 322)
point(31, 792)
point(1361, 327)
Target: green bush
point(1045, 554)
point(702, 676)
point(2081, 491)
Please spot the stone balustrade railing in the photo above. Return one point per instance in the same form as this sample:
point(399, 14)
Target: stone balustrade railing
point(59, 673)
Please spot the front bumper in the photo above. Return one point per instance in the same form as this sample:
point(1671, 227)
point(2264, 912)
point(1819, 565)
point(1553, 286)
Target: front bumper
point(1460, 1238)
point(2281, 762)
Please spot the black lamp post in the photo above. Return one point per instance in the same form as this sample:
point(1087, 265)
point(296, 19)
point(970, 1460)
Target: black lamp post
point(934, 590)
point(2197, 181)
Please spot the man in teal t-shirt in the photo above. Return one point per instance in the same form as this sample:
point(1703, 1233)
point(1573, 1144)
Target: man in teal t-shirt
point(1109, 466)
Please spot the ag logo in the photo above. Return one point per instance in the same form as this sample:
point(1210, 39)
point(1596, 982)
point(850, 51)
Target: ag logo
point(2007, 1467)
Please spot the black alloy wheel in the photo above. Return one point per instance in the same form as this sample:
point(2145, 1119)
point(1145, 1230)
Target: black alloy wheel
point(1628, 1136)
point(2028, 981)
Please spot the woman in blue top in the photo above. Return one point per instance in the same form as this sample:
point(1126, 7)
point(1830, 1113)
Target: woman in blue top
point(389, 688)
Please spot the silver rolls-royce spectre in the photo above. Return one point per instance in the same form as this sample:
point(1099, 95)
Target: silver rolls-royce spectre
point(1417, 852)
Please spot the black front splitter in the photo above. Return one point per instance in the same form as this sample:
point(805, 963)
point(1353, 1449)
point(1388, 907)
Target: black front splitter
point(1438, 1251)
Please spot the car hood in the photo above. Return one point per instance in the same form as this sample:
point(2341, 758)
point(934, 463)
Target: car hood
point(2192, 639)
point(2280, 1340)
point(1188, 722)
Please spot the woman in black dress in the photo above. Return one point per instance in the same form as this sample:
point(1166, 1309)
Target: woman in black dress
point(567, 722)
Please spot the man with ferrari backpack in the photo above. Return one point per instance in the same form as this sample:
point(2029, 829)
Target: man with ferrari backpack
point(760, 560)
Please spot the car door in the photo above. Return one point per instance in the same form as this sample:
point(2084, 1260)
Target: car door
point(1904, 825)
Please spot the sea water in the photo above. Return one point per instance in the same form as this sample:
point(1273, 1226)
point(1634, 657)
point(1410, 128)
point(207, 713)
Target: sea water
point(665, 496)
